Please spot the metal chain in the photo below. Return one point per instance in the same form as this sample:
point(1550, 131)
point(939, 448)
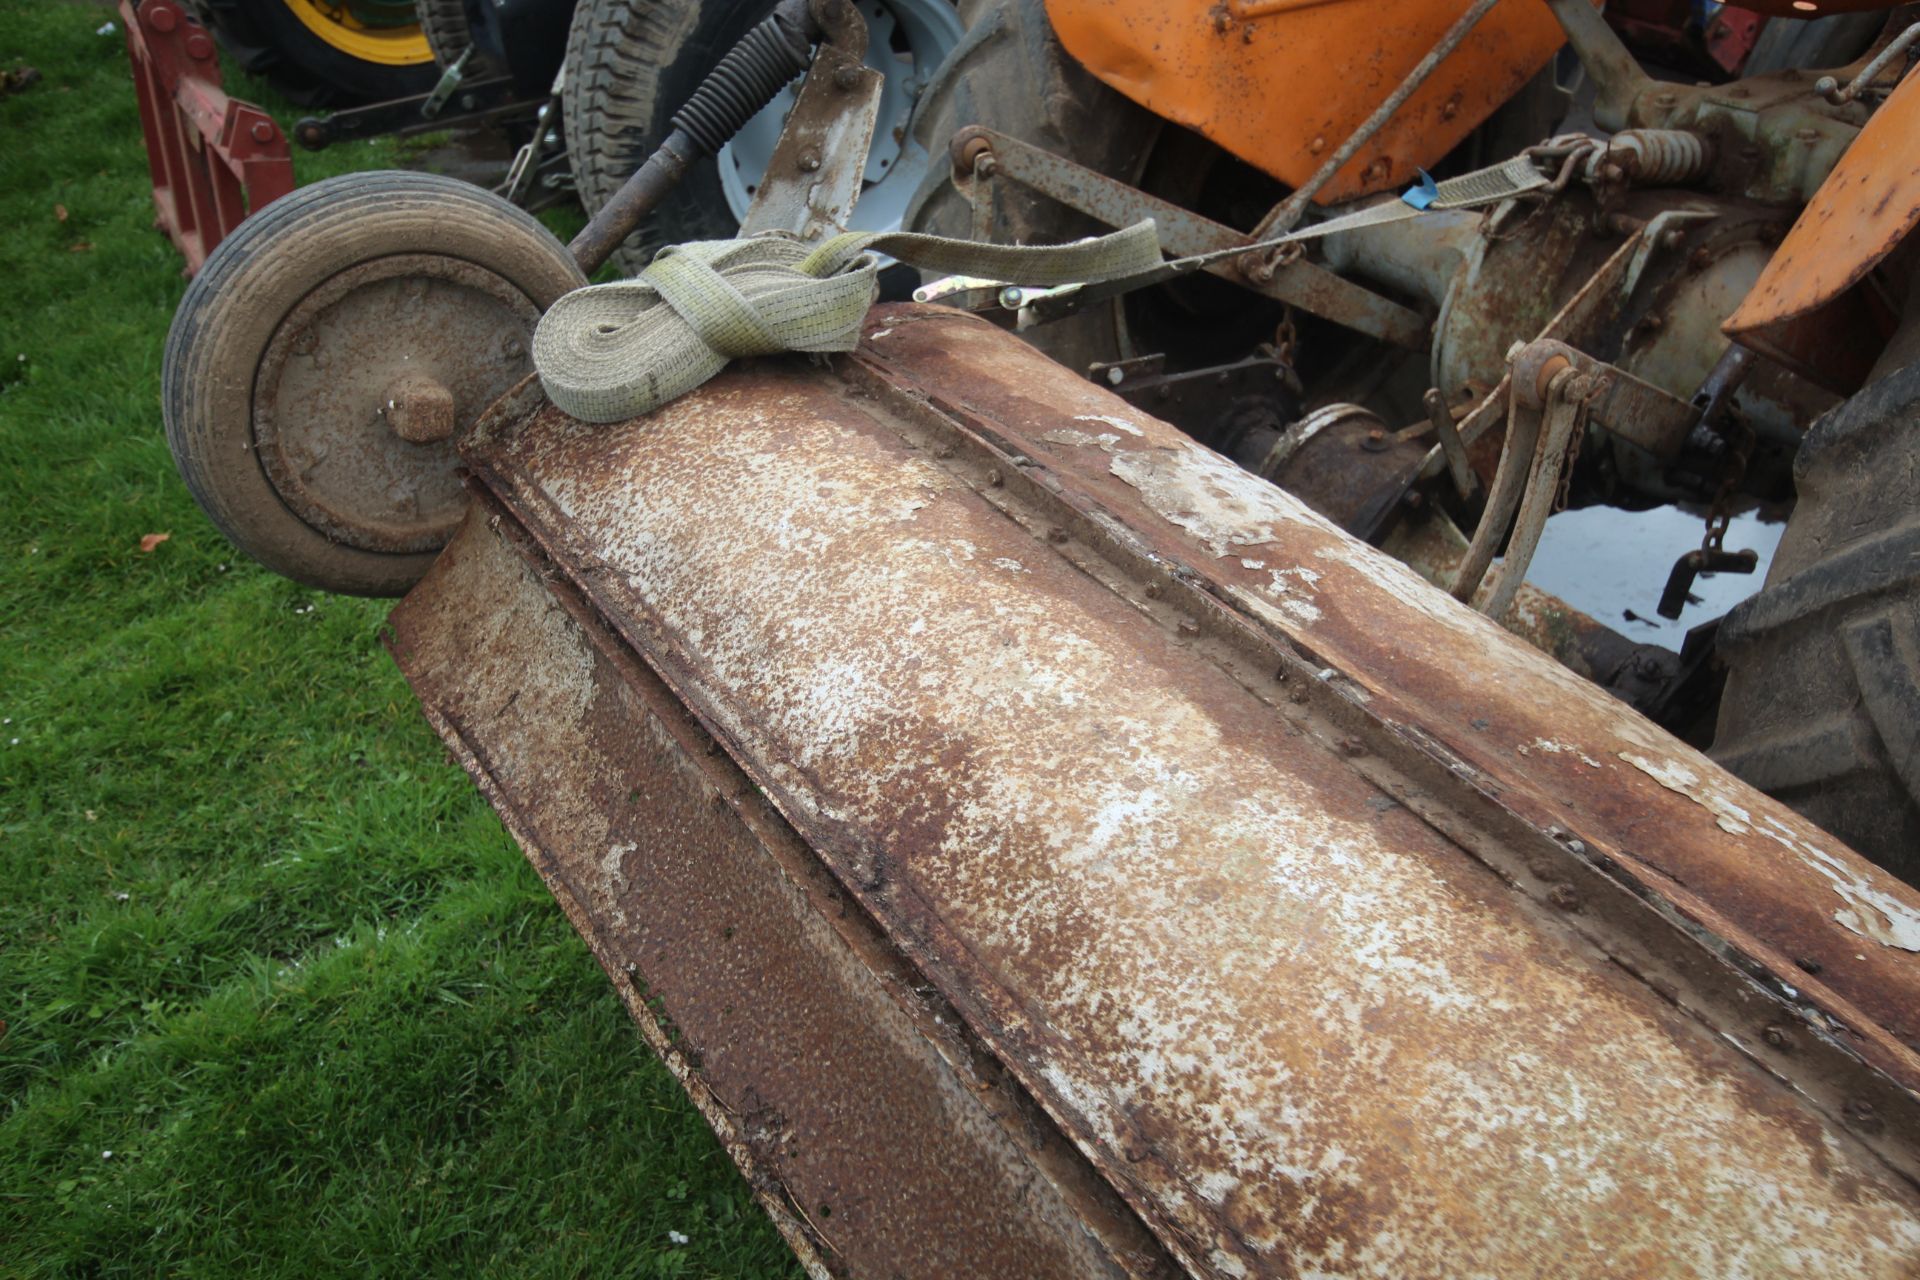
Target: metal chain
point(1733, 470)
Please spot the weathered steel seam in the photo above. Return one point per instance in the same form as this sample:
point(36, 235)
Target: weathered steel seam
point(767, 1188)
point(1879, 1072)
point(989, 1009)
point(1014, 1101)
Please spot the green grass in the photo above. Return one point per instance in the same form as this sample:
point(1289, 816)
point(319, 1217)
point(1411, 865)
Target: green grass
point(279, 996)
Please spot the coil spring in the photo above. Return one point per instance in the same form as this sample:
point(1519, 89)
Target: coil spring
point(757, 67)
point(1661, 157)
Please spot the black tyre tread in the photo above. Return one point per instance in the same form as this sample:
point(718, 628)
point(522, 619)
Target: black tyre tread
point(613, 112)
point(449, 34)
point(1822, 705)
point(1010, 74)
point(252, 281)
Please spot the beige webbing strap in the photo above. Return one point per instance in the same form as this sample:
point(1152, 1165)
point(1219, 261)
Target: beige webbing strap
point(615, 351)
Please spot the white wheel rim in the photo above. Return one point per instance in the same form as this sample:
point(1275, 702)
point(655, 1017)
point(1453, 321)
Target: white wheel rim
point(906, 41)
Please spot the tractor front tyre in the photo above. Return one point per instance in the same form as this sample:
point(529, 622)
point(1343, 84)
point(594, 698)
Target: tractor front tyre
point(1822, 704)
point(449, 34)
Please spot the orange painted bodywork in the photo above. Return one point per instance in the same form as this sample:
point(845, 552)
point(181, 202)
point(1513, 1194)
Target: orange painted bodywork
point(1867, 205)
point(1282, 83)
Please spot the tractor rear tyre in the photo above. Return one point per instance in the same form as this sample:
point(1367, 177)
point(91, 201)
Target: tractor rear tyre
point(1822, 705)
point(329, 355)
point(327, 54)
point(1010, 74)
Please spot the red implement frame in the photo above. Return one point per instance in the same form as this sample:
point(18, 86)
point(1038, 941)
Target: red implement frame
point(212, 158)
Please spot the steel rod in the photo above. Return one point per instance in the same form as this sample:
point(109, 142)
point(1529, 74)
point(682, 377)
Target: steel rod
point(1287, 214)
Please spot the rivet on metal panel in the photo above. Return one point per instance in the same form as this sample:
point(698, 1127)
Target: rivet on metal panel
point(1863, 1116)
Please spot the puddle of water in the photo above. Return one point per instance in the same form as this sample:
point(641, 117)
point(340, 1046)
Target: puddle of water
point(1607, 562)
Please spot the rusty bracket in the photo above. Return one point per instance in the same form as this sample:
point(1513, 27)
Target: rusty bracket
point(1183, 233)
point(1554, 391)
point(1549, 397)
point(1626, 406)
point(814, 178)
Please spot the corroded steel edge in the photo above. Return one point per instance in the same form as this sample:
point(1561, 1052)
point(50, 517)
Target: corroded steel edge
point(1048, 1157)
point(1111, 554)
point(1692, 952)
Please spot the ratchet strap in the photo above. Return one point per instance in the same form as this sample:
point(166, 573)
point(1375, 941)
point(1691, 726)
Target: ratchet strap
point(614, 351)
point(609, 352)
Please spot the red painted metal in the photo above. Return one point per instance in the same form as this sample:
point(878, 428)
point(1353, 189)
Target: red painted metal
point(213, 159)
point(1731, 36)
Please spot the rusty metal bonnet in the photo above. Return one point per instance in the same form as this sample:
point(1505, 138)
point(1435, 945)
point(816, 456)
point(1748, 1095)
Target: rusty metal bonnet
point(1042, 848)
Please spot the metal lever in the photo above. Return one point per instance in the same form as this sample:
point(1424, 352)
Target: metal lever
point(1691, 565)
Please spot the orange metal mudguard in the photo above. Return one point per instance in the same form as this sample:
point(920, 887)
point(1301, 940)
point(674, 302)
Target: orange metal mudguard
point(1281, 83)
point(1866, 207)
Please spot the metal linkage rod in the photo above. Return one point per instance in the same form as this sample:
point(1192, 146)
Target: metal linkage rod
point(1287, 214)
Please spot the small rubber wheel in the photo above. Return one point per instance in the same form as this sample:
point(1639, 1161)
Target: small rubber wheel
point(329, 354)
point(322, 53)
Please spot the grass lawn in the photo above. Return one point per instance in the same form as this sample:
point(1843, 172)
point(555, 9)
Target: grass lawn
point(278, 996)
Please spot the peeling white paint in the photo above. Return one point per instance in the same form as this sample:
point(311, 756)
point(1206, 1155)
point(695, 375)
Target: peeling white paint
point(1870, 912)
point(1109, 420)
point(1105, 442)
point(1553, 747)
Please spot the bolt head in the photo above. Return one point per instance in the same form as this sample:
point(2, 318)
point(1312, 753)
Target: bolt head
point(809, 160)
point(262, 131)
point(419, 409)
point(846, 79)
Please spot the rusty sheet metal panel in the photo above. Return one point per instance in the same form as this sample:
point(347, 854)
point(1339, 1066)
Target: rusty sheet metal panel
point(1312, 1004)
point(1553, 748)
point(1867, 206)
point(880, 1138)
